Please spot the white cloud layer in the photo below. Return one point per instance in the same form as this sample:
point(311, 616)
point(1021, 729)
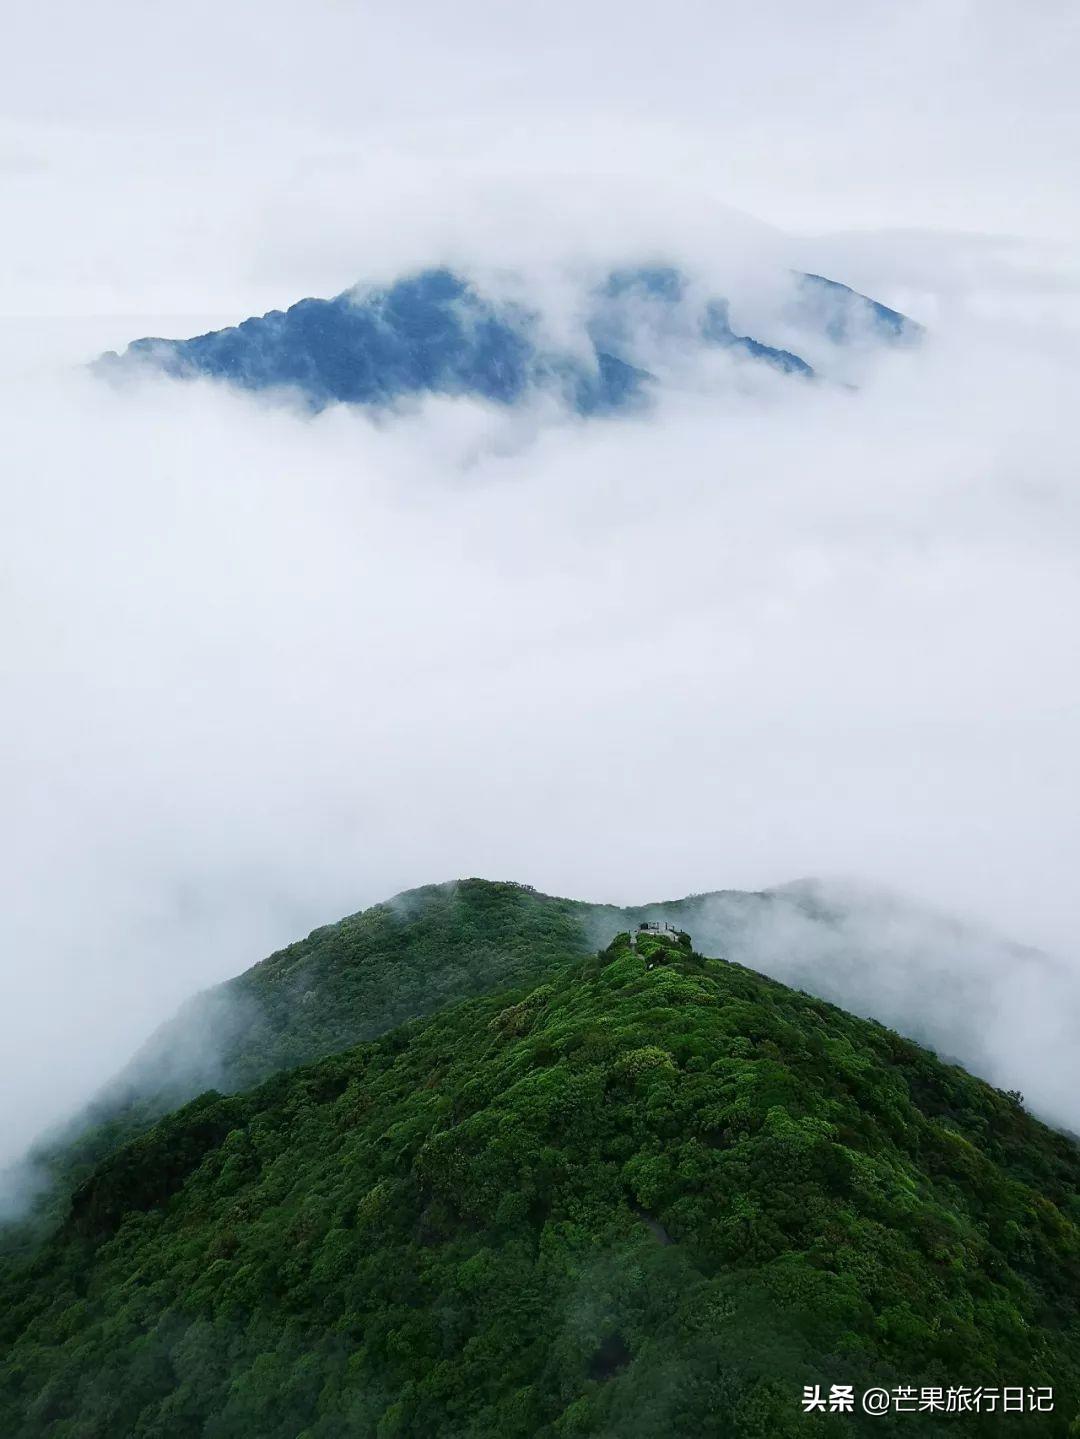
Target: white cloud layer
point(261, 669)
point(226, 157)
point(266, 668)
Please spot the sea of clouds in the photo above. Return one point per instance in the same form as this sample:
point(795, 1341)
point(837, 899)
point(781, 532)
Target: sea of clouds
point(266, 667)
point(262, 668)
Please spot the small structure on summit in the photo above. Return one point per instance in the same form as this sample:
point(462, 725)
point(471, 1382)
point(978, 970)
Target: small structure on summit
point(652, 929)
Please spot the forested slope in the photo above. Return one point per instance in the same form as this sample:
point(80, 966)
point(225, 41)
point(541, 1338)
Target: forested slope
point(346, 982)
point(655, 1194)
point(429, 947)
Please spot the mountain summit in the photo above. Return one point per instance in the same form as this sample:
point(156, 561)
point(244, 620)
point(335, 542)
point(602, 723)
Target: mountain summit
point(438, 333)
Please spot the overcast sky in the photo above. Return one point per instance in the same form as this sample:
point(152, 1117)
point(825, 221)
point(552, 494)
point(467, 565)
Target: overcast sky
point(163, 158)
point(261, 670)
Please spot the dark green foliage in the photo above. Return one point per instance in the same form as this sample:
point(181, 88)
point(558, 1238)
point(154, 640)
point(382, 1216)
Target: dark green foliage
point(354, 980)
point(631, 1201)
point(145, 1173)
point(344, 983)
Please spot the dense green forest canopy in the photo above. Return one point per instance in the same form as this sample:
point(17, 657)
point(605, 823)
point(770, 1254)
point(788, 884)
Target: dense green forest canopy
point(407, 957)
point(345, 983)
point(652, 1194)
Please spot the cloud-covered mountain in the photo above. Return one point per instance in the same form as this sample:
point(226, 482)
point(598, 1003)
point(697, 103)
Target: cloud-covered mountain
point(436, 332)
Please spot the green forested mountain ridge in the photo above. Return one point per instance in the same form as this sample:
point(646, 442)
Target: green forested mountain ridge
point(653, 1194)
point(345, 983)
point(353, 980)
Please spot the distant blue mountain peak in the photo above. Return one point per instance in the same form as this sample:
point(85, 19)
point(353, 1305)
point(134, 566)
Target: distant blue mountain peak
point(844, 311)
point(434, 332)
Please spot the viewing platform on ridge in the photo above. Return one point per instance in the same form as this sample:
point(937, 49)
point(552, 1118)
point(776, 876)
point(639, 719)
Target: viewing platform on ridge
point(654, 930)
